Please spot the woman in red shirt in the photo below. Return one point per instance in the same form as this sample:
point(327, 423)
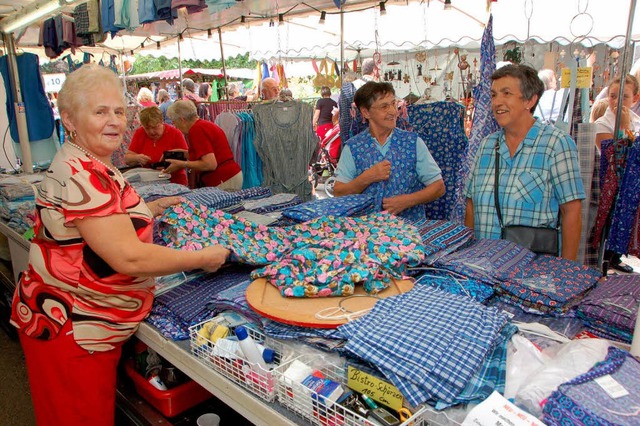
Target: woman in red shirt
point(210, 156)
point(150, 141)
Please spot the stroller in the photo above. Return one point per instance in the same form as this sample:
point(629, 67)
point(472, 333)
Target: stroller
point(323, 167)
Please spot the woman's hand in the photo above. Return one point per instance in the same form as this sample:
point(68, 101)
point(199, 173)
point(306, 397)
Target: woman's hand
point(174, 165)
point(214, 257)
point(158, 206)
point(142, 159)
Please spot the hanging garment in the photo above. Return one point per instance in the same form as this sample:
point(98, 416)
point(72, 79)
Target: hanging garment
point(626, 208)
point(441, 126)
point(484, 123)
point(285, 142)
point(345, 100)
point(252, 164)
point(36, 104)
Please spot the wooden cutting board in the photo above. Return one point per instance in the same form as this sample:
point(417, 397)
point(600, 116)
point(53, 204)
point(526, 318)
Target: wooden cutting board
point(266, 300)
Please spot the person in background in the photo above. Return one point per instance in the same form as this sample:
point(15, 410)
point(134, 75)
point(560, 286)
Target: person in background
point(150, 142)
point(598, 109)
point(323, 114)
point(165, 102)
point(210, 157)
point(540, 171)
point(270, 89)
point(189, 91)
point(204, 91)
point(548, 109)
point(285, 95)
point(233, 92)
point(145, 97)
point(89, 281)
point(351, 126)
point(393, 165)
point(604, 93)
point(630, 122)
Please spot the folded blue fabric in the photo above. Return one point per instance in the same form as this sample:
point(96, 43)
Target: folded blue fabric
point(349, 205)
point(213, 198)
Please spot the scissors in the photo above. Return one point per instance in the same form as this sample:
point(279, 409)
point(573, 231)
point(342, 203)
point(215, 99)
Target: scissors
point(404, 414)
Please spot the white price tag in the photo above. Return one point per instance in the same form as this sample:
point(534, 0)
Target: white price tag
point(611, 386)
point(496, 410)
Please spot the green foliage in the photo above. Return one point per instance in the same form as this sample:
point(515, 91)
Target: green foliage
point(144, 64)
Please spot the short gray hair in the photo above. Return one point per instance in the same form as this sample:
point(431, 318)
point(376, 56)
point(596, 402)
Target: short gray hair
point(368, 66)
point(183, 109)
point(88, 79)
point(188, 84)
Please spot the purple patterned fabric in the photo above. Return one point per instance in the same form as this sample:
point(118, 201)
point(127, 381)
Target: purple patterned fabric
point(614, 301)
point(484, 123)
point(548, 282)
point(441, 237)
point(486, 260)
point(582, 401)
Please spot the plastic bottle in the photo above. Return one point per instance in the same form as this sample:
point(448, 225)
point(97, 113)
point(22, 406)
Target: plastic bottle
point(249, 349)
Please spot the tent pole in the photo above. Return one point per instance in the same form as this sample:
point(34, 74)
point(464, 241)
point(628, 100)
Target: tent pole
point(623, 66)
point(224, 66)
point(180, 68)
point(19, 107)
point(341, 42)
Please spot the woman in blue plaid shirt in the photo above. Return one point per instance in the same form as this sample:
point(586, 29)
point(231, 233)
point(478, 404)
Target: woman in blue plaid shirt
point(539, 168)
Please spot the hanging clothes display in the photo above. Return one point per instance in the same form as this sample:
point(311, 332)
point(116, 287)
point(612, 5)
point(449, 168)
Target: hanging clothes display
point(441, 126)
point(36, 104)
point(285, 141)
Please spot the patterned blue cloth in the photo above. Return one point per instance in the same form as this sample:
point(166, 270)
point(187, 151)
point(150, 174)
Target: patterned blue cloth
point(440, 125)
point(543, 173)
point(490, 377)
point(349, 205)
point(443, 236)
point(548, 283)
point(213, 198)
point(484, 123)
point(254, 193)
point(148, 192)
point(582, 401)
point(487, 260)
point(272, 203)
point(426, 363)
point(624, 215)
point(449, 282)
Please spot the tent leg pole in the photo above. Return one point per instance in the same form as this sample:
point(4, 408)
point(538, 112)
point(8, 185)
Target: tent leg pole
point(20, 112)
point(624, 65)
point(180, 68)
point(224, 65)
point(341, 42)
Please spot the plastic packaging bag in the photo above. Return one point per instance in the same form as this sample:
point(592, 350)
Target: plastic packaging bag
point(523, 358)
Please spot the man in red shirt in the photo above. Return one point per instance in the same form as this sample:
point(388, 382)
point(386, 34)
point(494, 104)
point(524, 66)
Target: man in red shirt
point(150, 141)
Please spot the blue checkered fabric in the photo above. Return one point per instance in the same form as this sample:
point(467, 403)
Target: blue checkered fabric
point(254, 193)
point(149, 192)
point(449, 282)
point(487, 260)
point(349, 205)
point(427, 342)
point(213, 198)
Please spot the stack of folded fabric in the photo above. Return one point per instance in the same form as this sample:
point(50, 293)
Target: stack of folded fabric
point(445, 237)
point(433, 346)
point(150, 191)
point(271, 204)
point(486, 260)
point(453, 283)
point(608, 394)
point(549, 284)
point(610, 309)
point(17, 201)
point(213, 198)
point(349, 205)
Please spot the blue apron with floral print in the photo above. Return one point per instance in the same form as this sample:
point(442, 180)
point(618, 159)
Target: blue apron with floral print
point(404, 176)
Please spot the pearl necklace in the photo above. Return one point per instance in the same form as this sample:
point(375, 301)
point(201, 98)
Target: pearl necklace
point(93, 157)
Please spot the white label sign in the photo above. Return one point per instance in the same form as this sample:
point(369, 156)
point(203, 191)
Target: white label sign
point(496, 410)
point(53, 82)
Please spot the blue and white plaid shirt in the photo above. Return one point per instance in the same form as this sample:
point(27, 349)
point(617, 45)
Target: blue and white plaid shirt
point(543, 174)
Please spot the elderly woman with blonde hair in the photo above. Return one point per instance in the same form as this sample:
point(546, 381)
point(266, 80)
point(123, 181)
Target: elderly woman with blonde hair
point(210, 157)
point(145, 97)
point(89, 281)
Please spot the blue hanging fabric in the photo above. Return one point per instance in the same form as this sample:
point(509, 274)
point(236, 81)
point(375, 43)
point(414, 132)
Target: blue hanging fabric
point(35, 102)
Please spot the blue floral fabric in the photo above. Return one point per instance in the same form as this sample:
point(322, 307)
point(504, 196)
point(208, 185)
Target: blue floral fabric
point(548, 283)
point(349, 205)
point(327, 256)
point(442, 237)
point(440, 125)
point(626, 208)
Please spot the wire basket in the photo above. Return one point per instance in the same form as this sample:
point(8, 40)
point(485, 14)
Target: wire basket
point(308, 404)
point(234, 366)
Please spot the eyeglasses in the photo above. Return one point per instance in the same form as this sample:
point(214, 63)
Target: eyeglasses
point(387, 106)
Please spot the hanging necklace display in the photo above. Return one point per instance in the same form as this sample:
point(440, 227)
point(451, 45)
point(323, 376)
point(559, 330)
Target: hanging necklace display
point(406, 79)
point(435, 69)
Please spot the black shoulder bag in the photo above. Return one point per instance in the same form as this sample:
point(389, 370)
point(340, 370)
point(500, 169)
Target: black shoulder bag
point(538, 240)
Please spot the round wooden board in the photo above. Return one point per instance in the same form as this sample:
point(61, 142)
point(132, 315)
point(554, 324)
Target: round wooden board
point(266, 300)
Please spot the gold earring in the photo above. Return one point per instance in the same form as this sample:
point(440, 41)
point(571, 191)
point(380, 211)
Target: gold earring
point(72, 135)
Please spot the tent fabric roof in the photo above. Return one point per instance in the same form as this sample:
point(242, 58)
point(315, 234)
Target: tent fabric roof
point(243, 73)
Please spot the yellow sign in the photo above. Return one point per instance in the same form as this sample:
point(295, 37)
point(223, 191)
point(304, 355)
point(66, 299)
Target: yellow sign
point(378, 390)
point(583, 79)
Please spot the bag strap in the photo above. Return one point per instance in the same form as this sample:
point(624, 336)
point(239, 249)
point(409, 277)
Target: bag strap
point(495, 182)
